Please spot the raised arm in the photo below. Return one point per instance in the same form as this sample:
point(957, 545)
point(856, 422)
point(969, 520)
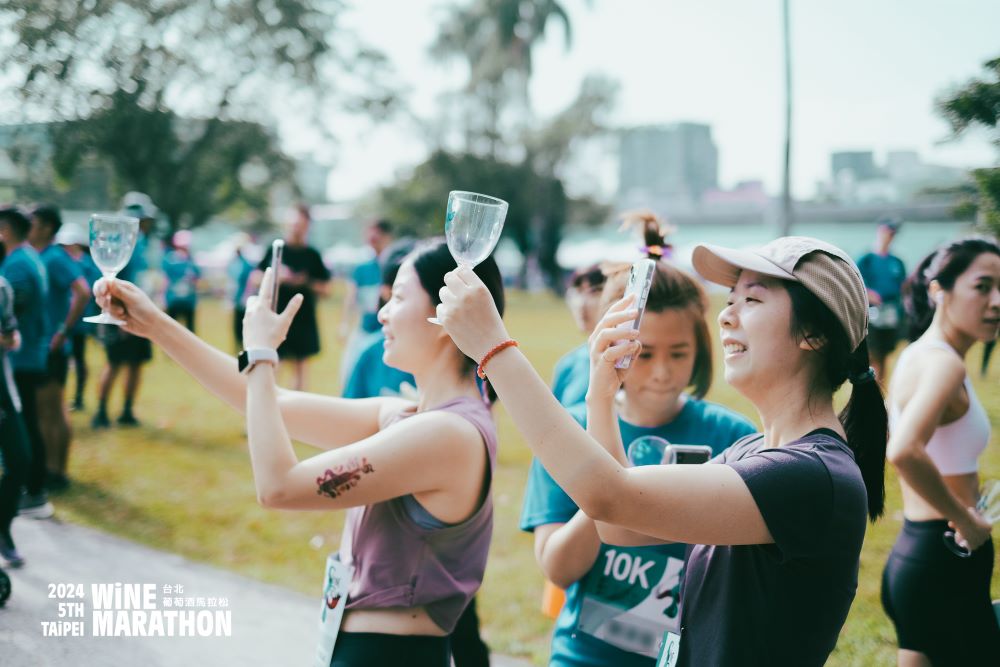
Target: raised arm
point(674, 503)
point(321, 421)
point(566, 551)
point(922, 406)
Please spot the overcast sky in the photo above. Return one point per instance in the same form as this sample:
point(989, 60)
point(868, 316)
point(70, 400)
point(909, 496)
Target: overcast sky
point(866, 73)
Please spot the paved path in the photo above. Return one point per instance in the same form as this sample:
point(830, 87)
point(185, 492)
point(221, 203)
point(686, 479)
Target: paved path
point(270, 625)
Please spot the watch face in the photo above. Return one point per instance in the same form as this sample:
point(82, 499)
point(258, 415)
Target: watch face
point(243, 360)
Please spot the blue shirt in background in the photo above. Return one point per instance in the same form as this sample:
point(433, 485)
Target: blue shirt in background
point(367, 277)
point(182, 278)
point(373, 377)
point(91, 274)
point(26, 273)
point(239, 271)
point(571, 377)
point(631, 595)
point(63, 271)
point(883, 274)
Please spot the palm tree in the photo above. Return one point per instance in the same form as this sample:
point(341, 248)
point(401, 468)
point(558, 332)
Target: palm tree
point(496, 38)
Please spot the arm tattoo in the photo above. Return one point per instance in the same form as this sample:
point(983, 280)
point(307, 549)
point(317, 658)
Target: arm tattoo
point(342, 478)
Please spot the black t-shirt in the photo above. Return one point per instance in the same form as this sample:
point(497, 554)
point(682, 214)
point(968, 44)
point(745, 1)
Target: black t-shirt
point(781, 603)
point(299, 259)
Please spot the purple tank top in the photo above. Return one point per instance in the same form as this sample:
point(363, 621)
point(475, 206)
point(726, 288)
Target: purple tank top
point(398, 563)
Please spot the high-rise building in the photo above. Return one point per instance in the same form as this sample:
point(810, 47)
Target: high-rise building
point(860, 164)
point(668, 164)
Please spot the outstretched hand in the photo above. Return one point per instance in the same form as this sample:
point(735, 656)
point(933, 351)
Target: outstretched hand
point(608, 344)
point(262, 327)
point(469, 315)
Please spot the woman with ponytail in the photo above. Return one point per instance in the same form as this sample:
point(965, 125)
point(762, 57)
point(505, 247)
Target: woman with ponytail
point(936, 583)
point(778, 519)
point(662, 397)
point(414, 477)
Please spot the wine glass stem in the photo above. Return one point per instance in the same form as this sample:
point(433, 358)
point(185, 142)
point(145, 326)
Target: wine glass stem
point(108, 276)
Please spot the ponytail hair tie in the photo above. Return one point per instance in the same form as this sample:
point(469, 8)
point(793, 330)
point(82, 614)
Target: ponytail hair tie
point(657, 251)
point(863, 377)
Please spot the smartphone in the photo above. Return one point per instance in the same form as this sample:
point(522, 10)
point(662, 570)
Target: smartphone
point(687, 454)
point(639, 280)
point(277, 248)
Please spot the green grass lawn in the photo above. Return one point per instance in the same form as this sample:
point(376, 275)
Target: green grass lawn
point(182, 482)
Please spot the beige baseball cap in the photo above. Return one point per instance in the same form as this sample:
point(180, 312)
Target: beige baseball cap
point(823, 269)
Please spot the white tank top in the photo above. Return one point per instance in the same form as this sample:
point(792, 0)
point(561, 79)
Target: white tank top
point(954, 448)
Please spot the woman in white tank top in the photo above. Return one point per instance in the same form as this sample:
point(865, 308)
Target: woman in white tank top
point(935, 587)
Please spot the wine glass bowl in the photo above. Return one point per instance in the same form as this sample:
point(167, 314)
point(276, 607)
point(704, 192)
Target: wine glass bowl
point(472, 226)
point(112, 240)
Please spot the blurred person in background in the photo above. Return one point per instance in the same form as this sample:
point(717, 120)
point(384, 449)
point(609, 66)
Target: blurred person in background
point(67, 298)
point(125, 351)
point(238, 272)
point(984, 365)
point(371, 376)
point(663, 397)
point(359, 319)
point(181, 275)
point(301, 272)
point(939, 598)
point(14, 448)
point(883, 274)
point(76, 242)
point(572, 372)
point(26, 274)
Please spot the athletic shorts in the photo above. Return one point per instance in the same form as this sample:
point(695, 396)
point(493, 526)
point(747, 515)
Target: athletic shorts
point(128, 349)
point(938, 601)
point(57, 368)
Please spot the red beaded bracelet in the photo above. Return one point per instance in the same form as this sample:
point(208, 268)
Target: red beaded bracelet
point(481, 371)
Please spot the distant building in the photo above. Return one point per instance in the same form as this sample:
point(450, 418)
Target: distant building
point(861, 165)
point(667, 166)
point(856, 178)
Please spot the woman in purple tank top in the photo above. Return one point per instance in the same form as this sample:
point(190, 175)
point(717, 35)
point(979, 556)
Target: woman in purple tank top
point(414, 476)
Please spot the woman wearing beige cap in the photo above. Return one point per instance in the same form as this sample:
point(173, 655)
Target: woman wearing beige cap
point(772, 575)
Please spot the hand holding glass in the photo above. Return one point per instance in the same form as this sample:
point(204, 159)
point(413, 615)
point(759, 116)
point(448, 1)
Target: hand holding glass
point(472, 227)
point(112, 240)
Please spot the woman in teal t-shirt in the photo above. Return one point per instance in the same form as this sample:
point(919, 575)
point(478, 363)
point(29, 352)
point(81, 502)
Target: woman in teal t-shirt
point(620, 600)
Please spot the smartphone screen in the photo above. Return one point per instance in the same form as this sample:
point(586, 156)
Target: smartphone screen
point(685, 454)
point(277, 249)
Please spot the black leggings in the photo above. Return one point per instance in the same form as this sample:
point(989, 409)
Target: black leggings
point(940, 602)
point(27, 384)
point(14, 457)
point(79, 342)
point(372, 649)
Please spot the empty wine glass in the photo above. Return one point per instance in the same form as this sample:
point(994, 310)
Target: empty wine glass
point(472, 227)
point(647, 450)
point(988, 507)
point(112, 240)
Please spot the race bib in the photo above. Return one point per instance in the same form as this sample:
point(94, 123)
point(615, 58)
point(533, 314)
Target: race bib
point(630, 597)
point(335, 584)
point(670, 648)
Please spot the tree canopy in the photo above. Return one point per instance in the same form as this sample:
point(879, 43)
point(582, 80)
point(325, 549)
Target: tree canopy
point(178, 95)
point(978, 103)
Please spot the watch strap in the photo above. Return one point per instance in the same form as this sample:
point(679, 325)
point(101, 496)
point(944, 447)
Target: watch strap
point(247, 359)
